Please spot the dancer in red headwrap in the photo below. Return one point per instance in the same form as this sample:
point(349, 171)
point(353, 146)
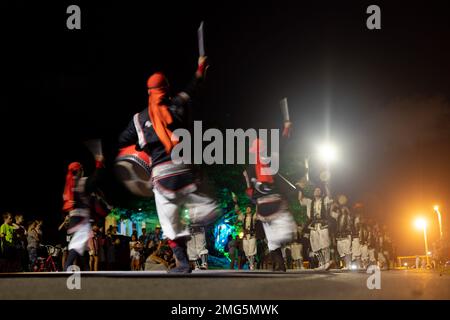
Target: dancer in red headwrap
point(266, 190)
point(77, 202)
point(174, 186)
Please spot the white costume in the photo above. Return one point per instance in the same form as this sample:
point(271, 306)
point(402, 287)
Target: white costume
point(202, 210)
point(319, 234)
point(196, 246)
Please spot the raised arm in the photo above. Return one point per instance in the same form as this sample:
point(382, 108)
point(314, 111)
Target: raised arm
point(93, 180)
point(179, 102)
point(66, 219)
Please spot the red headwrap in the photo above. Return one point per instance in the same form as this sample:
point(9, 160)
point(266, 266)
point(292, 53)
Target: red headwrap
point(68, 200)
point(157, 80)
point(257, 147)
point(159, 114)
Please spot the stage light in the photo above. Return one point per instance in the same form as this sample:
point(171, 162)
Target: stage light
point(327, 153)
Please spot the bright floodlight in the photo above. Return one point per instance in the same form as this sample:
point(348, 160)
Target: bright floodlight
point(436, 208)
point(420, 223)
point(327, 153)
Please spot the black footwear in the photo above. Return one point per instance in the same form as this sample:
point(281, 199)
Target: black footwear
point(277, 260)
point(183, 262)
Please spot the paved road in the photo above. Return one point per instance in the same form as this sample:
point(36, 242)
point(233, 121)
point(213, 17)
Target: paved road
point(206, 285)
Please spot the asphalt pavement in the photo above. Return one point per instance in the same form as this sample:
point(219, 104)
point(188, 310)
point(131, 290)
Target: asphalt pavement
point(227, 285)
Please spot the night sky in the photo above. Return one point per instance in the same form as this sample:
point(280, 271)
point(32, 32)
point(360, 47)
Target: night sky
point(382, 96)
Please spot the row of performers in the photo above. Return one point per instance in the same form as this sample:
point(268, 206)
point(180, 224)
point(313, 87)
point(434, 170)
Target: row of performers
point(333, 236)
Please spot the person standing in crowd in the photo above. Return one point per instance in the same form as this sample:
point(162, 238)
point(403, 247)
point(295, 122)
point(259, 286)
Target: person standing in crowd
point(110, 245)
point(21, 241)
point(155, 238)
point(144, 239)
point(65, 239)
point(135, 253)
point(101, 248)
point(232, 248)
point(317, 211)
point(94, 249)
point(34, 237)
point(7, 231)
point(7, 237)
point(248, 221)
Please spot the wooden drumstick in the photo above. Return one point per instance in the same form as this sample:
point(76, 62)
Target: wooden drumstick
point(247, 180)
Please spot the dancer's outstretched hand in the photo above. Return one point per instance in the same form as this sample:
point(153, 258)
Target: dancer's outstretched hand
point(287, 129)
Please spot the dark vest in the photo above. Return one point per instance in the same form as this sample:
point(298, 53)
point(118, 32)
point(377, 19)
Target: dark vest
point(148, 139)
point(248, 229)
point(323, 216)
point(344, 225)
point(82, 200)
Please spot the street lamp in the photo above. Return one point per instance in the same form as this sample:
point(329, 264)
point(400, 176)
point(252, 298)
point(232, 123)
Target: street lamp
point(422, 224)
point(436, 209)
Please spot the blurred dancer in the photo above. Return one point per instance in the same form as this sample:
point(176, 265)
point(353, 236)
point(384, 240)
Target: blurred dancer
point(271, 206)
point(174, 185)
point(77, 201)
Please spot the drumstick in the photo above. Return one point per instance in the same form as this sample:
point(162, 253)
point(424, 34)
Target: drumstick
point(247, 180)
point(287, 181)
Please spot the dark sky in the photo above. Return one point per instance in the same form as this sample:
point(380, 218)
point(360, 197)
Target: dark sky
point(381, 96)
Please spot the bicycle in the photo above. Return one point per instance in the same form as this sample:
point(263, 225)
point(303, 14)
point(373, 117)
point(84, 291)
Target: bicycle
point(47, 264)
